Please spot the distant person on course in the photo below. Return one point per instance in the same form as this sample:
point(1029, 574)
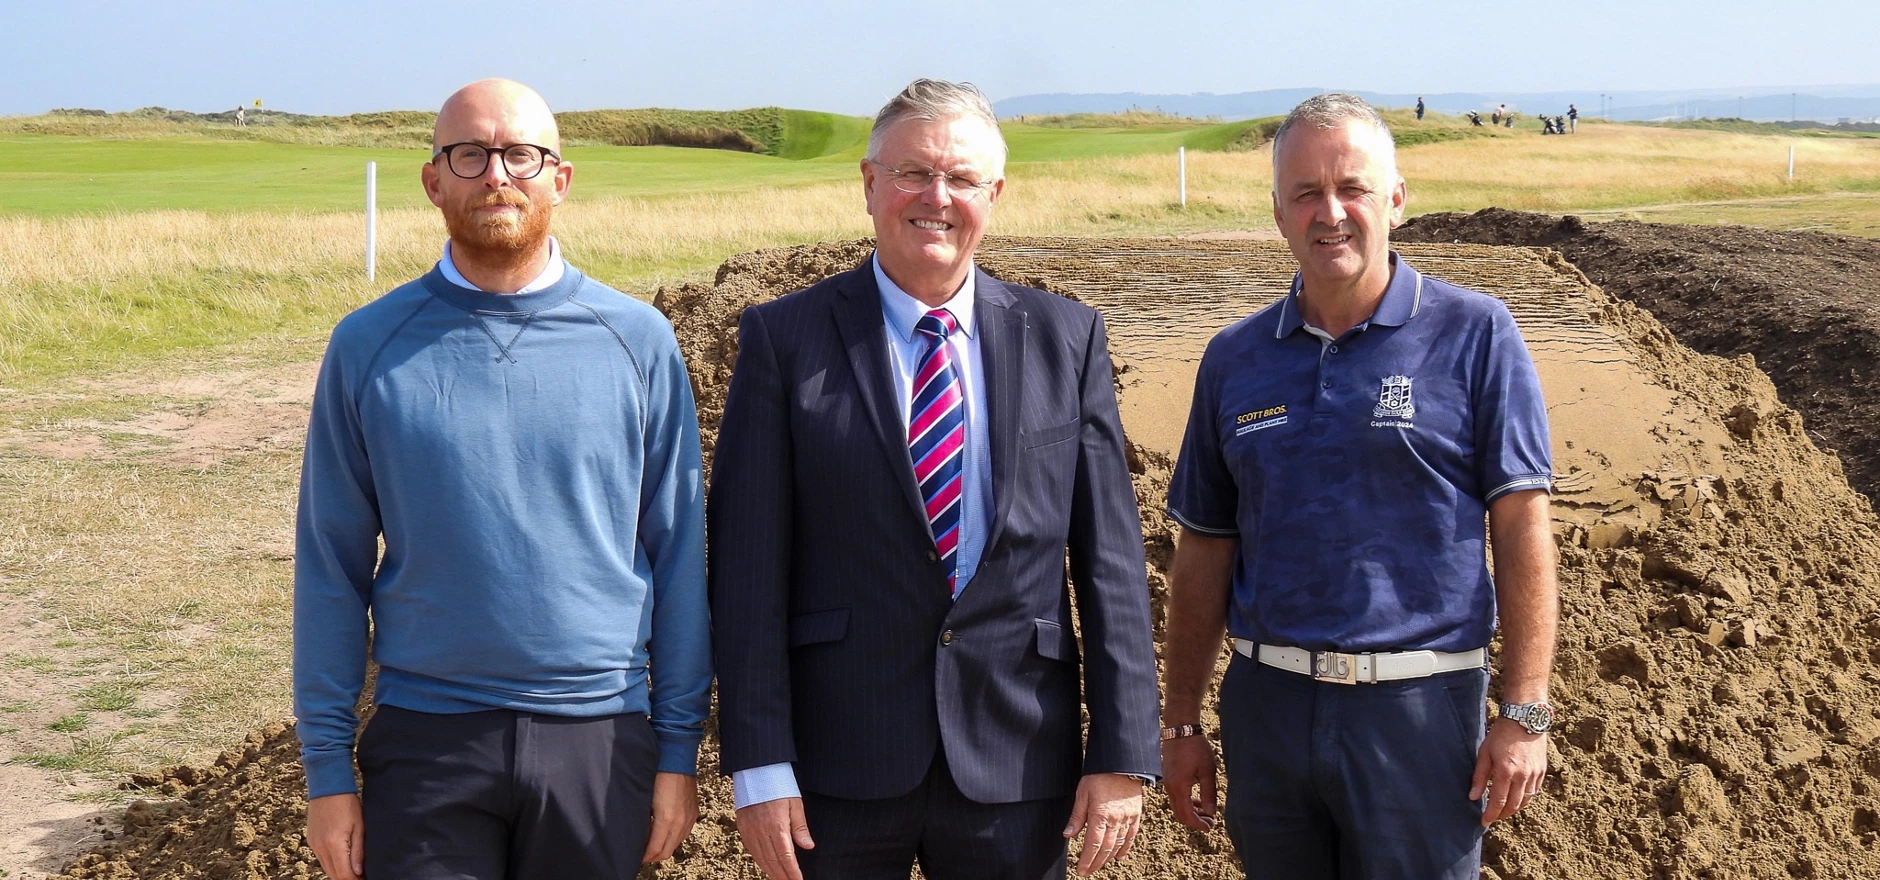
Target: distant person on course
point(1344, 449)
point(1419, 108)
point(523, 438)
point(1573, 118)
point(241, 116)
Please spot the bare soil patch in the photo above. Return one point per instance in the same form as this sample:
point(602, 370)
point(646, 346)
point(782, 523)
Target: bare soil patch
point(196, 418)
point(1806, 305)
point(1720, 646)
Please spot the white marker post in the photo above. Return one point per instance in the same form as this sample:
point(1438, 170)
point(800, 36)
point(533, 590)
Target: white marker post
point(1791, 161)
point(372, 219)
point(1181, 172)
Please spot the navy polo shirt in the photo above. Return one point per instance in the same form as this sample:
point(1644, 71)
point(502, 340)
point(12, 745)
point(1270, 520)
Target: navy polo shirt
point(1357, 473)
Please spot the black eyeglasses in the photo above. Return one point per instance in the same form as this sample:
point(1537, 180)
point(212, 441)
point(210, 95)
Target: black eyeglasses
point(469, 160)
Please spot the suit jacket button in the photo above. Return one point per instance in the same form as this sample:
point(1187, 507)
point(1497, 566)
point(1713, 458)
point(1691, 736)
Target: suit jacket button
point(946, 638)
point(932, 556)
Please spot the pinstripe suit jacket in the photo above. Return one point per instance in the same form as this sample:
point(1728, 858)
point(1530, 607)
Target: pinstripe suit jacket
point(837, 647)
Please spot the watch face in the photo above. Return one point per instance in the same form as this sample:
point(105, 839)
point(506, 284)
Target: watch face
point(1533, 717)
point(1540, 718)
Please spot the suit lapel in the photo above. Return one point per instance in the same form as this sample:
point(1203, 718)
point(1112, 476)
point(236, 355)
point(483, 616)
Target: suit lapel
point(859, 320)
point(1002, 352)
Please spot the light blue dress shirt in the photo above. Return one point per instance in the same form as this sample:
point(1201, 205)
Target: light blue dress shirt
point(901, 312)
point(551, 273)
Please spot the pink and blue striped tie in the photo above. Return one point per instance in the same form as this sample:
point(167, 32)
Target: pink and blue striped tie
point(936, 438)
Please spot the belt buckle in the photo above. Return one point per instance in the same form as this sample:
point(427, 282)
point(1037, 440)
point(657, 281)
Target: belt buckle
point(1334, 667)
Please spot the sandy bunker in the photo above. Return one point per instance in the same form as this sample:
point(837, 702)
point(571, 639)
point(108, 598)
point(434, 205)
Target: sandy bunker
point(1720, 583)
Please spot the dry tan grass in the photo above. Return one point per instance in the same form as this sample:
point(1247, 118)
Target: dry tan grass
point(180, 572)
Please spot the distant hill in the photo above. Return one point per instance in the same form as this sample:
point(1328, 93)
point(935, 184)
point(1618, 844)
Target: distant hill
point(1767, 103)
point(790, 134)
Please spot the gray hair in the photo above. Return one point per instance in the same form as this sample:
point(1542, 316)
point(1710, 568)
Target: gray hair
point(935, 100)
point(1329, 111)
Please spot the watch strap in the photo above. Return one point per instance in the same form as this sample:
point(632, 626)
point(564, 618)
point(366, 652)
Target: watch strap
point(1179, 731)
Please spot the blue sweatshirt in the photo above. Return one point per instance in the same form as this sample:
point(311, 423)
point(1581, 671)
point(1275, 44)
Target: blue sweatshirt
point(532, 463)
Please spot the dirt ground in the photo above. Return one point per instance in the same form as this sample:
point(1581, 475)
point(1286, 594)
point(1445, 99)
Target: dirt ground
point(1720, 646)
point(1803, 303)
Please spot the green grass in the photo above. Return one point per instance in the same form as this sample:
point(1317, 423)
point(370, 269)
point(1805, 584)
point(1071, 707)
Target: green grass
point(1243, 135)
point(54, 175)
point(107, 697)
point(47, 175)
point(759, 130)
point(811, 135)
point(87, 754)
point(1037, 143)
point(70, 723)
point(33, 662)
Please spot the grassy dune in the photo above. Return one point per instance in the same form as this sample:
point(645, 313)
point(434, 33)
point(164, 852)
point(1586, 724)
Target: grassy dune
point(811, 135)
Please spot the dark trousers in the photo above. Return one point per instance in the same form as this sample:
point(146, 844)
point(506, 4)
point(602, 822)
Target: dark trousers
point(503, 795)
point(1341, 782)
point(952, 837)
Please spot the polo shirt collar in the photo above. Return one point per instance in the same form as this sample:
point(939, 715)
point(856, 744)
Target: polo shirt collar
point(902, 311)
point(1403, 298)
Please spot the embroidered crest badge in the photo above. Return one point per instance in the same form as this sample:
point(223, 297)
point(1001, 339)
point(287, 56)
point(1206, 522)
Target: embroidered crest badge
point(1394, 400)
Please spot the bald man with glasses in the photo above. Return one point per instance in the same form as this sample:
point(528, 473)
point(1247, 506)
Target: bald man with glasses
point(523, 440)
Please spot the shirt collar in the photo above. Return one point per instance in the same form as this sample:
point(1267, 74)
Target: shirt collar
point(1403, 297)
point(903, 311)
point(551, 273)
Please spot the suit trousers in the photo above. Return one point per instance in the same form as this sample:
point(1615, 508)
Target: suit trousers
point(506, 795)
point(1352, 782)
point(952, 837)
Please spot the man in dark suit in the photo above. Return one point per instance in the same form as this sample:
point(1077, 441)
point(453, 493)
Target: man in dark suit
point(907, 452)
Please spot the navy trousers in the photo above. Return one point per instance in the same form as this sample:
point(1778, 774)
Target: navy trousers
point(1341, 782)
point(952, 837)
point(504, 795)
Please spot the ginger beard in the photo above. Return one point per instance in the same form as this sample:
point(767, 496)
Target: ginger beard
point(499, 236)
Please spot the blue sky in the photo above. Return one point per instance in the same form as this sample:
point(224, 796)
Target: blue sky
point(344, 56)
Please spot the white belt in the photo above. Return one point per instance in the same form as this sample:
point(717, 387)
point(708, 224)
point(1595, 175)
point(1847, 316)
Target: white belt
point(1362, 668)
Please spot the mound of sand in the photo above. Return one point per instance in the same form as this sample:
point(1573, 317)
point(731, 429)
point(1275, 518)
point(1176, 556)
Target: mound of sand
point(1801, 302)
point(1720, 645)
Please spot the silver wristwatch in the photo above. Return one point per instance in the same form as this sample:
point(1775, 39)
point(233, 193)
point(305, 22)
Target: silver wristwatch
point(1533, 717)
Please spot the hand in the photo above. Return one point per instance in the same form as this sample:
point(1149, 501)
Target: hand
point(1109, 810)
point(1188, 762)
point(336, 830)
point(1509, 769)
point(772, 833)
point(675, 810)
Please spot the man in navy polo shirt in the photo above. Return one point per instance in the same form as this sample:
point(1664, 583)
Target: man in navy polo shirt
point(1344, 448)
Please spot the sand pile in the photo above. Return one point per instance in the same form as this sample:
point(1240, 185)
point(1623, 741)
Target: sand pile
point(241, 818)
point(1720, 646)
point(1801, 302)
